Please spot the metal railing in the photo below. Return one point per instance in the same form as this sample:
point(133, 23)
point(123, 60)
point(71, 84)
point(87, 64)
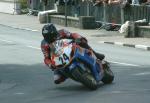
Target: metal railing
point(114, 13)
point(103, 13)
point(136, 12)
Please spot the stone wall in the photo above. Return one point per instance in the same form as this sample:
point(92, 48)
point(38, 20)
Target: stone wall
point(144, 31)
point(138, 29)
point(82, 22)
point(60, 20)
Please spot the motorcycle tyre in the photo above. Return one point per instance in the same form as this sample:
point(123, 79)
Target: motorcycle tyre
point(85, 78)
point(108, 76)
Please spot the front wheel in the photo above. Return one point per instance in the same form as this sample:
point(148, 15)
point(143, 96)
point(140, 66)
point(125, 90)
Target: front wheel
point(85, 78)
point(108, 76)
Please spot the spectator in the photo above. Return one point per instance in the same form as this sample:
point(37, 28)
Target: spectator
point(142, 1)
point(148, 2)
point(145, 2)
point(98, 2)
point(105, 1)
point(59, 2)
point(114, 1)
point(125, 3)
point(135, 2)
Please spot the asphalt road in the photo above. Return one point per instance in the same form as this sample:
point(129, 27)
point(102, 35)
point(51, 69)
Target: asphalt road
point(25, 79)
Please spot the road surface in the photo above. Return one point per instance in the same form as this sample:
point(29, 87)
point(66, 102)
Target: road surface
point(25, 79)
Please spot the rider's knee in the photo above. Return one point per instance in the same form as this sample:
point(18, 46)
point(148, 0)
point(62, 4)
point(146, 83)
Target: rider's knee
point(60, 80)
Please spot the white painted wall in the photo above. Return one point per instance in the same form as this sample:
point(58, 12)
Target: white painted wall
point(10, 7)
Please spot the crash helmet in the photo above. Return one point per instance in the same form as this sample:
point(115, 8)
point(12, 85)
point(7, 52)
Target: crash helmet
point(49, 32)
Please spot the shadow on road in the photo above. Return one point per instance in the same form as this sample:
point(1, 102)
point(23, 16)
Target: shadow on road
point(35, 77)
point(34, 83)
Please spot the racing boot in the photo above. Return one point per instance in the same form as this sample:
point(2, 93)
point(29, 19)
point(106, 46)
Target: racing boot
point(58, 78)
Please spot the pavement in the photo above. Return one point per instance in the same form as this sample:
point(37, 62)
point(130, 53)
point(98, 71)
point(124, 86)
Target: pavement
point(31, 23)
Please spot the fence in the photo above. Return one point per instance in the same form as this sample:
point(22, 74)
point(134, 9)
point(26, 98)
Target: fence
point(114, 13)
point(137, 12)
point(38, 5)
point(103, 13)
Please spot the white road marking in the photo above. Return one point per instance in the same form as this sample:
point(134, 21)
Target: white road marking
point(34, 47)
point(126, 64)
point(19, 93)
point(115, 92)
point(129, 90)
point(29, 29)
point(8, 41)
point(143, 73)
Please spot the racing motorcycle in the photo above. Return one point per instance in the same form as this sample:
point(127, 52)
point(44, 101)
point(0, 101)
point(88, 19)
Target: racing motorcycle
point(79, 64)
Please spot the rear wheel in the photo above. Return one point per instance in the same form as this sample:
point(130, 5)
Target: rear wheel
point(85, 78)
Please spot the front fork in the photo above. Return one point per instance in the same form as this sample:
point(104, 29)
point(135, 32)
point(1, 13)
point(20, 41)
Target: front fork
point(95, 72)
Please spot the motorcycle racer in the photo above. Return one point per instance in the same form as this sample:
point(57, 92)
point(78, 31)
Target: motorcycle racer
point(50, 34)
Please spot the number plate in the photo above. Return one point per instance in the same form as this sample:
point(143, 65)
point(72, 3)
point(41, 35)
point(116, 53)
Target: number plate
point(64, 57)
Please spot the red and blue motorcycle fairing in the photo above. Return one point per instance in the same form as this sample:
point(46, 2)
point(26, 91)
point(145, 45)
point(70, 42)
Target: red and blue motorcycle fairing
point(79, 64)
point(87, 58)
